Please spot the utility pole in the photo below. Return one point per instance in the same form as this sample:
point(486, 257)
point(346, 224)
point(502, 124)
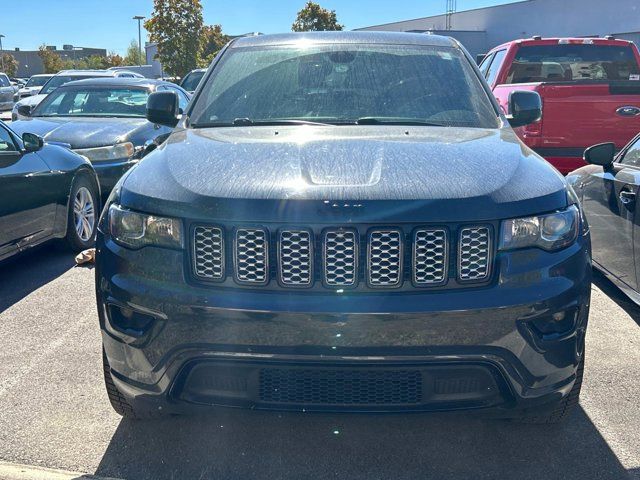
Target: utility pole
point(1, 53)
point(139, 19)
point(451, 9)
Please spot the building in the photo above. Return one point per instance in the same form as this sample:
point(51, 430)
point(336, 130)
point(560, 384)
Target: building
point(30, 63)
point(481, 29)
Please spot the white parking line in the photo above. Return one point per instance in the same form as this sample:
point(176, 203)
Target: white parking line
point(13, 471)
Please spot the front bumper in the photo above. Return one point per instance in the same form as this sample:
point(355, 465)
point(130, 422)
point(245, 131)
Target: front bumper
point(175, 346)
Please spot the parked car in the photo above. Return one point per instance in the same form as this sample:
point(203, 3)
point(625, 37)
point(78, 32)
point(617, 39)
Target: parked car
point(6, 92)
point(48, 192)
point(608, 187)
point(102, 119)
point(192, 79)
point(32, 87)
point(590, 89)
point(59, 79)
point(343, 221)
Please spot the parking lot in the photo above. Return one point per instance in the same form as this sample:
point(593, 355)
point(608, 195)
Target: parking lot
point(55, 412)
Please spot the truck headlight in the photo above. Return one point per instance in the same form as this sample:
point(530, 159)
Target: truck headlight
point(112, 152)
point(136, 230)
point(549, 232)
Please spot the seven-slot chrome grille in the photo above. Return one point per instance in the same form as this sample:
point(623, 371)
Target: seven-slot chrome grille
point(380, 258)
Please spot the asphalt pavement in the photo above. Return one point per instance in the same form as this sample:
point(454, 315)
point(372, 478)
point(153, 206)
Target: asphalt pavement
point(54, 412)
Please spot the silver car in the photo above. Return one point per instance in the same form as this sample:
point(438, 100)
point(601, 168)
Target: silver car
point(6, 92)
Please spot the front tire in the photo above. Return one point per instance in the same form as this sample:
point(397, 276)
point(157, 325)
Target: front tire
point(564, 408)
point(82, 216)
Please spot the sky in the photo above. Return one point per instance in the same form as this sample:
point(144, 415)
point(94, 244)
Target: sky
point(108, 23)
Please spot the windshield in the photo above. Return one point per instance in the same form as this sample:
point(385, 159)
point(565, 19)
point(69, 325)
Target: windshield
point(37, 81)
point(191, 81)
point(566, 63)
point(345, 84)
point(92, 101)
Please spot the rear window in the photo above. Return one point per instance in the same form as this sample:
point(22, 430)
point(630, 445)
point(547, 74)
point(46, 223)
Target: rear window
point(569, 63)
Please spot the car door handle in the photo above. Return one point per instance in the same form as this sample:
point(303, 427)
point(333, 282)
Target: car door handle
point(627, 197)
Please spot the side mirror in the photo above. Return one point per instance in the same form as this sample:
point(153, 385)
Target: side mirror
point(601, 154)
point(525, 107)
point(32, 142)
point(24, 110)
point(163, 108)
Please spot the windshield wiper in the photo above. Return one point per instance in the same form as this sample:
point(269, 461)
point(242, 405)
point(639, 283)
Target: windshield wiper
point(396, 121)
point(245, 122)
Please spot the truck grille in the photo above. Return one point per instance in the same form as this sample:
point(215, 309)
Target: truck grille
point(377, 258)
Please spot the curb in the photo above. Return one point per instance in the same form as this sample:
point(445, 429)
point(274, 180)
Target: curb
point(14, 471)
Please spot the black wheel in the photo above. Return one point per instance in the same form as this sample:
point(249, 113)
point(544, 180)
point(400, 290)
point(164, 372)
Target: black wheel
point(82, 217)
point(118, 402)
point(564, 408)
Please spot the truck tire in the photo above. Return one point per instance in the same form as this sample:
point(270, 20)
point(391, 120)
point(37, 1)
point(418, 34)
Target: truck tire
point(118, 402)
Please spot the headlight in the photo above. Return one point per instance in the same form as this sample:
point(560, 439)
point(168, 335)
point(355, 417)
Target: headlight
point(549, 232)
point(137, 230)
point(113, 152)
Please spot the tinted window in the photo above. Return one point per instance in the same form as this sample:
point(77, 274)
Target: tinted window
point(494, 68)
point(94, 102)
point(343, 83)
point(191, 81)
point(565, 63)
point(37, 81)
point(4, 81)
point(6, 142)
point(632, 157)
point(59, 80)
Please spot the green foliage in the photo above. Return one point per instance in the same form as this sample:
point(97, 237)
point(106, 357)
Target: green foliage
point(314, 18)
point(176, 26)
point(9, 64)
point(134, 56)
point(51, 60)
point(213, 39)
point(113, 60)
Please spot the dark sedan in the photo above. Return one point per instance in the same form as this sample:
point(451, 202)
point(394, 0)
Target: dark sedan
point(47, 192)
point(608, 188)
point(102, 119)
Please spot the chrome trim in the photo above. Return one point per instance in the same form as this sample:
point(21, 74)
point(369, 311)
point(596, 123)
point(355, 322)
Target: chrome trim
point(265, 277)
point(194, 252)
point(414, 259)
point(401, 241)
point(356, 255)
point(489, 253)
point(311, 257)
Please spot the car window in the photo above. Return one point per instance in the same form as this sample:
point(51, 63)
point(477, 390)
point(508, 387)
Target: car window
point(486, 62)
point(572, 62)
point(94, 102)
point(4, 81)
point(191, 81)
point(494, 68)
point(37, 81)
point(632, 156)
point(182, 98)
point(334, 84)
point(6, 142)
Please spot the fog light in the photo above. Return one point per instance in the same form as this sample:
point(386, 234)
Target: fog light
point(557, 324)
point(129, 321)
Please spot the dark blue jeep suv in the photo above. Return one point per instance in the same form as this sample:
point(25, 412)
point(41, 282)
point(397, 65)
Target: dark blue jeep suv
point(344, 222)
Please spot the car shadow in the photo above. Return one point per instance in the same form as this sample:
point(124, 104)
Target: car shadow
point(617, 295)
point(252, 444)
point(28, 271)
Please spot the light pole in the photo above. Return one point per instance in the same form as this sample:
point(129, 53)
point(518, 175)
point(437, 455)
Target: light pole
point(139, 19)
point(1, 53)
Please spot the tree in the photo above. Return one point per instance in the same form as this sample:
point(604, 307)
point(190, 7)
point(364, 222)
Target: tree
point(10, 64)
point(51, 60)
point(113, 60)
point(212, 42)
point(134, 56)
point(313, 18)
point(176, 26)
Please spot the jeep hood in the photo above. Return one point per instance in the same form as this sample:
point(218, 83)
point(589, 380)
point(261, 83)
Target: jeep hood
point(417, 173)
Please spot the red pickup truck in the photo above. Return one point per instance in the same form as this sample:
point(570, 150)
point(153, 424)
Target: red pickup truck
point(590, 90)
